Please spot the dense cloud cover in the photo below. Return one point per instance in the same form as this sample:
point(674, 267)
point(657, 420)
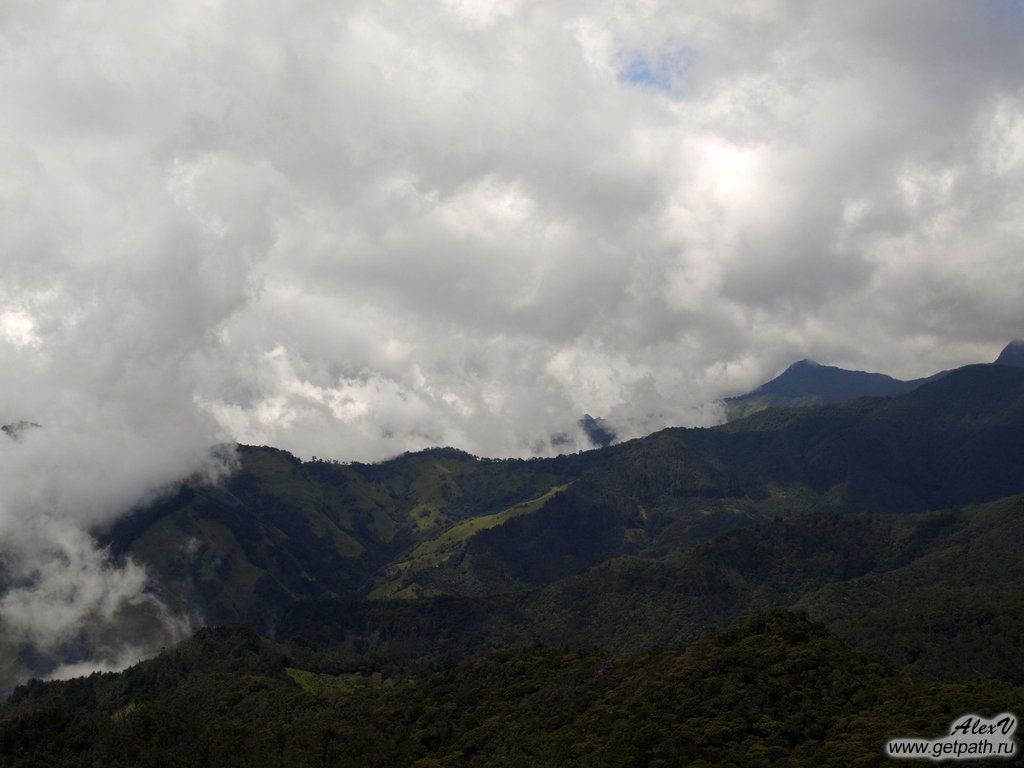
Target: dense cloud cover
point(356, 228)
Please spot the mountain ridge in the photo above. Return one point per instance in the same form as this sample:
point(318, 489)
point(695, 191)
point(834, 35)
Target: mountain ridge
point(445, 523)
point(441, 523)
point(395, 609)
point(807, 382)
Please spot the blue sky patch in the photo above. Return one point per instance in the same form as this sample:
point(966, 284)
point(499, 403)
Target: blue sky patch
point(655, 69)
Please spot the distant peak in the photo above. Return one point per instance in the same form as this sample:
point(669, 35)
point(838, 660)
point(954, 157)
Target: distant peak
point(16, 429)
point(597, 431)
point(804, 368)
point(1012, 354)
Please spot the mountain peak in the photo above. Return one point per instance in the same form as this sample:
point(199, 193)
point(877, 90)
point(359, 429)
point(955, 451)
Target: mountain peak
point(807, 382)
point(1012, 354)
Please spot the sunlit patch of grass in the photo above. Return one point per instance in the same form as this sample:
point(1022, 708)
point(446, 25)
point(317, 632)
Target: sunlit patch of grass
point(432, 553)
point(319, 684)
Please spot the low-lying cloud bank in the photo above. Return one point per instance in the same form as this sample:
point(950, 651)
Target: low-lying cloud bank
point(352, 229)
point(64, 604)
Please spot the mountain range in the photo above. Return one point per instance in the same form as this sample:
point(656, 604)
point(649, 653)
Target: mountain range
point(806, 382)
point(873, 541)
point(442, 522)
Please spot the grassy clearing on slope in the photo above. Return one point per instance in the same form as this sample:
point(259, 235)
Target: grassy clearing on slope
point(325, 685)
point(429, 554)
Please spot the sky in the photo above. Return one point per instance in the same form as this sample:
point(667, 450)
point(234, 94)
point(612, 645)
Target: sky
point(352, 229)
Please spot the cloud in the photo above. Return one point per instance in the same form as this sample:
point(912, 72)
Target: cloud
point(353, 229)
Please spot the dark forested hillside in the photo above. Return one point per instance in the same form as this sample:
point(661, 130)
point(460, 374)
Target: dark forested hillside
point(935, 592)
point(279, 529)
point(443, 522)
point(953, 442)
point(775, 690)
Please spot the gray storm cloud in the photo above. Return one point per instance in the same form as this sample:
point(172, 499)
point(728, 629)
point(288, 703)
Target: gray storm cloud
point(352, 229)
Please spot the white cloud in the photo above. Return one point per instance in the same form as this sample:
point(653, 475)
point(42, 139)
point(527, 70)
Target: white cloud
point(18, 328)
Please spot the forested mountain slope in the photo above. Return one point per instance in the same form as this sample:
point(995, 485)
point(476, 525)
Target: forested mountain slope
point(937, 592)
point(897, 521)
point(775, 690)
point(443, 522)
